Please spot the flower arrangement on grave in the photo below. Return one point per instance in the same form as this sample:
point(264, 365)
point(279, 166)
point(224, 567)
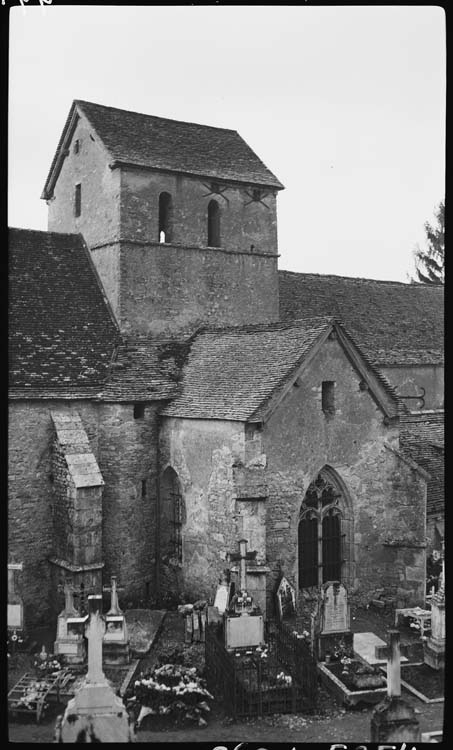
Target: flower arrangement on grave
point(14, 642)
point(34, 692)
point(341, 650)
point(49, 664)
point(171, 689)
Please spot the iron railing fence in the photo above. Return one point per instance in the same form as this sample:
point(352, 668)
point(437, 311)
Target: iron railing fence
point(249, 684)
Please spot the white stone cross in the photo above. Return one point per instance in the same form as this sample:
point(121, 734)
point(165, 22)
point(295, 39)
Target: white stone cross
point(392, 653)
point(95, 631)
point(69, 590)
point(114, 605)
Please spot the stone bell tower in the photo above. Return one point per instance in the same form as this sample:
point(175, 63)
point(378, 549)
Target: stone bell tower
point(180, 218)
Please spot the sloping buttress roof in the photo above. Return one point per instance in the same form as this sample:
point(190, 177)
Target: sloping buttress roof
point(170, 145)
point(392, 323)
point(233, 373)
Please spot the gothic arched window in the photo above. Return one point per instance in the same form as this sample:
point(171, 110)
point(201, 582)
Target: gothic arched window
point(165, 217)
point(213, 224)
point(323, 534)
point(172, 517)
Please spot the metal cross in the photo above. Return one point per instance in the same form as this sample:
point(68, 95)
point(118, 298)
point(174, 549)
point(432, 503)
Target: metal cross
point(392, 653)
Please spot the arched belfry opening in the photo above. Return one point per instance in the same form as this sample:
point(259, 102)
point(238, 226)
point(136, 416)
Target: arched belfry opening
point(172, 518)
point(213, 224)
point(165, 217)
point(325, 532)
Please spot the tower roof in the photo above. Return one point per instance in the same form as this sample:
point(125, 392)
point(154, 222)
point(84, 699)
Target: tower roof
point(140, 140)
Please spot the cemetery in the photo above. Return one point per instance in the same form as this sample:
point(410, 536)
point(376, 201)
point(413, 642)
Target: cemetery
point(115, 674)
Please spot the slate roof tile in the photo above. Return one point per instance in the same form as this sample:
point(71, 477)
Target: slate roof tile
point(422, 439)
point(232, 373)
point(61, 333)
point(171, 145)
point(391, 322)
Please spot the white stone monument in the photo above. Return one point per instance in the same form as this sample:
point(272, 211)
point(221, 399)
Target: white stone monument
point(116, 639)
point(95, 714)
point(70, 641)
point(434, 647)
point(15, 617)
point(332, 627)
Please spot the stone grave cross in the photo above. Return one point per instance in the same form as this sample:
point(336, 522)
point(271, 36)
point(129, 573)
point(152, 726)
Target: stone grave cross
point(94, 632)
point(392, 653)
point(69, 591)
point(113, 588)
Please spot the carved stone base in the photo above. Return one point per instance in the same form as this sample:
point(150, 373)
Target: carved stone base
point(434, 653)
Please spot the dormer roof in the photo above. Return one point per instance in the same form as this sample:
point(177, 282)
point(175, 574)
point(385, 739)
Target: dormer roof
point(150, 142)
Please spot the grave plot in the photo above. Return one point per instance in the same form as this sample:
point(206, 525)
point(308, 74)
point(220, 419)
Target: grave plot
point(278, 677)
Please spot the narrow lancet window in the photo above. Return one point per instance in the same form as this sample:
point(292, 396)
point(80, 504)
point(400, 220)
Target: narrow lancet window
point(165, 217)
point(213, 224)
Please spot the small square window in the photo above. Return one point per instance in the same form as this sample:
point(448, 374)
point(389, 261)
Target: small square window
point(139, 411)
point(328, 396)
point(78, 200)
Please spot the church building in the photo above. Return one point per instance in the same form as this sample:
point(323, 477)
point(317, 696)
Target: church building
point(172, 391)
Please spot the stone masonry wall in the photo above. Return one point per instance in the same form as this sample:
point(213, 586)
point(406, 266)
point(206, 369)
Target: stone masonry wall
point(408, 381)
point(243, 222)
point(202, 453)
point(100, 190)
point(386, 498)
point(166, 288)
point(125, 450)
point(127, 459)
point(30, 496)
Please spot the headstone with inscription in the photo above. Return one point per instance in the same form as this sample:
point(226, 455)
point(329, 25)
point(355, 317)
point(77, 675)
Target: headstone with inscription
point(95, 714)
point(286, 600)
point(70, 641)
point(334, 634)
point(223, 593)
point(116, 640)
point(15, 617)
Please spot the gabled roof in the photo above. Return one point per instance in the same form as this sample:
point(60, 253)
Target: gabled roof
point(391, 322)
point(61, 331)
point(422, 438)
point(241, 373)
point(153, 142)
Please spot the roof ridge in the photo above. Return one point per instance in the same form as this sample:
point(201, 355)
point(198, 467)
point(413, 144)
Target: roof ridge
point(414, 285)
point(153, 117)
point(43, 231)
point(278, 325)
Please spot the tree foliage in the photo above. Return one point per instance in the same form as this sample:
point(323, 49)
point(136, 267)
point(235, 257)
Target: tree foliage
point(430, 262)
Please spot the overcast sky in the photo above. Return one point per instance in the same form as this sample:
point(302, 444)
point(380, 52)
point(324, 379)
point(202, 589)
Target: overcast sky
point(346, 105)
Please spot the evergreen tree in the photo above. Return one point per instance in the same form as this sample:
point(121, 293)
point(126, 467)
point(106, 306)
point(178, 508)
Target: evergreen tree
point(430, 263)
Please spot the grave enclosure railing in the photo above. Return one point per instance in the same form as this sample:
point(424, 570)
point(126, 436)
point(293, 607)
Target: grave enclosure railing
point(285, 681)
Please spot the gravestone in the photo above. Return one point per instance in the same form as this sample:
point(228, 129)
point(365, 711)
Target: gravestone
point(434, 646)
point(15, 616)
point(223, 593)
point(286, 600)
point(70, 641)
point(243, 623)
point(116, 640)
point(95, 714)
point(332, 622)
point(394, 719)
